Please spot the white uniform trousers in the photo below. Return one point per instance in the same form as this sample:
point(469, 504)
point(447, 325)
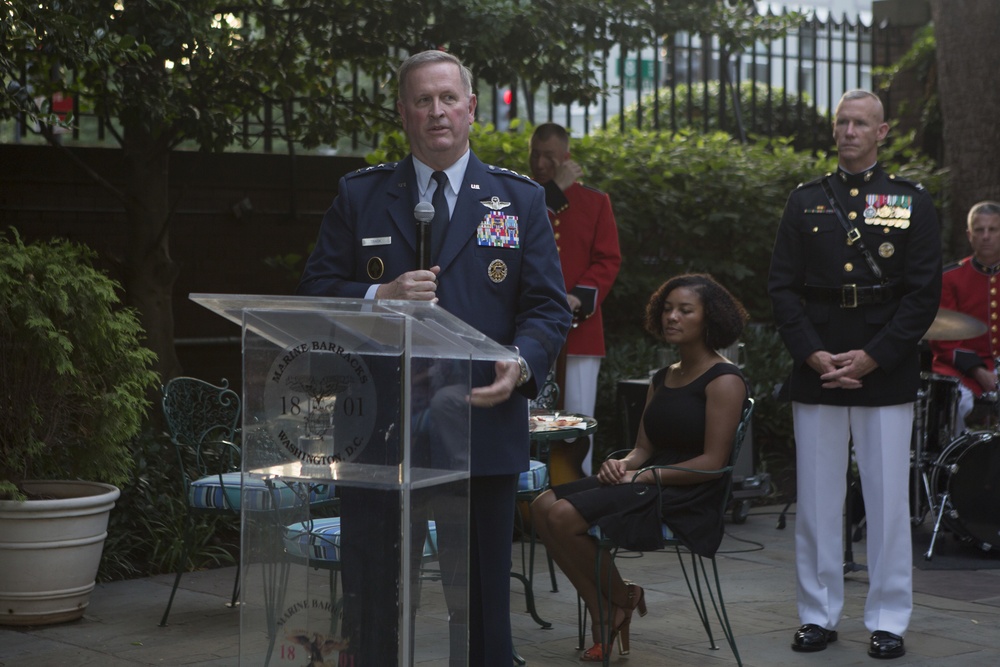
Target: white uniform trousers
point(580, 393)
point(881, 438)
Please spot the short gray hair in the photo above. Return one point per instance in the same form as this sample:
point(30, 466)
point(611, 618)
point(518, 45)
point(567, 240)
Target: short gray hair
point(861, 94)
point(418, 60)
point(983, 208)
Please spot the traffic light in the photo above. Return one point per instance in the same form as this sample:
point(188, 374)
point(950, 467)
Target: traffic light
point(506, 110)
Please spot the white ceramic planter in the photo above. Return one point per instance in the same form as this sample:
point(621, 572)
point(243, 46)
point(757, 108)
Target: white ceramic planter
point(50, 550)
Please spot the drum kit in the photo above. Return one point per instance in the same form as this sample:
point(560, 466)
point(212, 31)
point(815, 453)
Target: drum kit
point(955, 474)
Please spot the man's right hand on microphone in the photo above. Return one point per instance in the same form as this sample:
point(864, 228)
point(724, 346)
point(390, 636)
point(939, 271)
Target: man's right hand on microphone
point(419, 285)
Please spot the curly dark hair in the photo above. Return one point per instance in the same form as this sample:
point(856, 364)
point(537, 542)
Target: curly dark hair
point(725, 316)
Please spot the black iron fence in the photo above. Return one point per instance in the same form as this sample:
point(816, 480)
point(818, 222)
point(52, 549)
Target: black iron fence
point(779, 87)
point(689, 80)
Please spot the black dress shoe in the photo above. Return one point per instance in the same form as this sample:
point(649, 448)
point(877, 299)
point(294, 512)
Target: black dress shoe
point(885, 645)
point(810, 637)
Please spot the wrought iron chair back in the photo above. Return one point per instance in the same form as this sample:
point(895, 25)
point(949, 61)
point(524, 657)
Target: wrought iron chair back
point(203, 423)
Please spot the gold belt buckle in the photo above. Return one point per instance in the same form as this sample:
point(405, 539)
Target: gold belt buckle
point(849, 296)
point(853, 235)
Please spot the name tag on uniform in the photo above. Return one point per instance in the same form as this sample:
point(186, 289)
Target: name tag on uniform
point(376, 240)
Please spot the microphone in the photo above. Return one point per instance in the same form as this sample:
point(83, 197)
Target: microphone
point(424, 213)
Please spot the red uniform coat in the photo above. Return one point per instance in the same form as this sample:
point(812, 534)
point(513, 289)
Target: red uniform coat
point(587, 239)
point(969, 287)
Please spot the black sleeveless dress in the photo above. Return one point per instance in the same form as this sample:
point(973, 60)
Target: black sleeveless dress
point(674, 422)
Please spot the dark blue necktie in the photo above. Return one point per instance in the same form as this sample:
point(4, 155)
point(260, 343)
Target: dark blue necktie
point(440, 222)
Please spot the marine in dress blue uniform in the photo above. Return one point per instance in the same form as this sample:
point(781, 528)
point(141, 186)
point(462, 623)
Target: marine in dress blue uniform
point(498, 270)
point(853, 337)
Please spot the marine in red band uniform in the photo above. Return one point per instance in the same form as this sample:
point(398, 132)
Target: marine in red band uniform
point(587, 238)
point(972, 286)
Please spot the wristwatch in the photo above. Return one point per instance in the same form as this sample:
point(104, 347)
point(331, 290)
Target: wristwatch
point(525, 371)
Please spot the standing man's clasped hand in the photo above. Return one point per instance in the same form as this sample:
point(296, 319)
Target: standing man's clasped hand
point(842, 371)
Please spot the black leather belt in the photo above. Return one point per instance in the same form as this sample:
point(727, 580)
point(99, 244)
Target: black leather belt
point(851, 296)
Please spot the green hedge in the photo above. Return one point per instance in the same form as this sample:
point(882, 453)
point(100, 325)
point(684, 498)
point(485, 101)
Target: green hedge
point(683, 203)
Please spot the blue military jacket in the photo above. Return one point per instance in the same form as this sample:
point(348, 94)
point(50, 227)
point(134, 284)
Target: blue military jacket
point(500, 273)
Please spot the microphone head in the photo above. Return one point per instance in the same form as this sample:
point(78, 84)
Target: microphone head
point(424, 211)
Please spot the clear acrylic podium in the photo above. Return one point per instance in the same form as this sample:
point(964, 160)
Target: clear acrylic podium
point(364, 402)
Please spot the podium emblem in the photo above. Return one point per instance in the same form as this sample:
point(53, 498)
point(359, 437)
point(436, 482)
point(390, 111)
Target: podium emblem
point(320, 403)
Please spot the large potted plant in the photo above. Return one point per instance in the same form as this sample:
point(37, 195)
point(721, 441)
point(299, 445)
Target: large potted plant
point(74, 378)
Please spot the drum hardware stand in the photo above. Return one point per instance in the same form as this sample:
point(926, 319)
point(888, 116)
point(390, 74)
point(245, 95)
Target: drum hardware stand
point(940, 514)
point(917, 464)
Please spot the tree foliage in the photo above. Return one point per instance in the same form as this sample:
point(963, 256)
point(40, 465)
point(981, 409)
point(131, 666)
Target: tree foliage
point(159, 73)
point(966, 65)
point(200, 70)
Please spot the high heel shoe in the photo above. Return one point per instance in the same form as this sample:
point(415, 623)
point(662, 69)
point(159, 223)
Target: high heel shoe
point(593, 654)
point(636, 600)
point(620, 632)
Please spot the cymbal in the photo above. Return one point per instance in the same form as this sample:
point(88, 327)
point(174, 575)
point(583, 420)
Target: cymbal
point(952, 325)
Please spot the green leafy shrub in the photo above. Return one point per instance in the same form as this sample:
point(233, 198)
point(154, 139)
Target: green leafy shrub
point(74, 374)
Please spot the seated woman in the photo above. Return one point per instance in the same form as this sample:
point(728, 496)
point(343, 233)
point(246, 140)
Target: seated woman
point(693, 408)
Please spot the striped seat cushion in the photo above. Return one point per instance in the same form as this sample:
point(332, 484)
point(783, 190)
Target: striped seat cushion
point(319, 539)
point(535, 478)
point(208, 493)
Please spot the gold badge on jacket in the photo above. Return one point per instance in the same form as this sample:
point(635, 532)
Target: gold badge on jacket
point(376, 268)
point(886, 250)
point(497, 271)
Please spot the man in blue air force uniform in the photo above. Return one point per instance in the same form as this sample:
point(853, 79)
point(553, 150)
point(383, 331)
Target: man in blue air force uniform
point(494, 264)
